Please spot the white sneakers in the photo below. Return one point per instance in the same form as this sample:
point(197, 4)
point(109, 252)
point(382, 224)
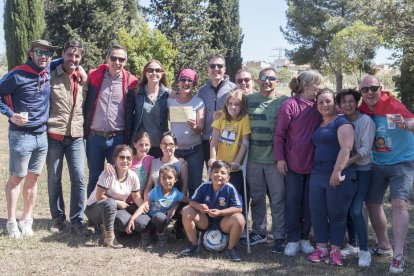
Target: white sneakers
point(292, 248)
point(25, 227)
point(349, 251)
point(13, 229)
point(16, 230)
point(364, 258)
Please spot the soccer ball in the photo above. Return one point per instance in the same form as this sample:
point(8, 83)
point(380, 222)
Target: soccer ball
point(214, 240)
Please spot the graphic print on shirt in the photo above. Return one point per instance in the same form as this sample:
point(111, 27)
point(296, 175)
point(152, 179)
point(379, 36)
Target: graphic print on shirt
point(228, 134)
point(382, 143)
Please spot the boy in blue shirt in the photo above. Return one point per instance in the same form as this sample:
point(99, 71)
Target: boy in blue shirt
point(215, 205)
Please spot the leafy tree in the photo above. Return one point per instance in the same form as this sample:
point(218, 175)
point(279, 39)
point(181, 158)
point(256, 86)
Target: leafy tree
point(186, 24)
point(313, 25)
point(23, 23)
point(284, 75)
point(95, 23)
point(227, 36)
point(146, 46)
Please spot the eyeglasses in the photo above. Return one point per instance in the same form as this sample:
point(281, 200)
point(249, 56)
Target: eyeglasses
point(269, 78)
point(186, 80)
point(214, 65)
point(373, 89)
point(152, 70)
point(121, 60)
point(125, 157)
point(171, 145)
point(40, 53)
point(246, 80)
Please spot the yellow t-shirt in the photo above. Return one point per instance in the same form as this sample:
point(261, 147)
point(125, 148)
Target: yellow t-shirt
point(231, 133)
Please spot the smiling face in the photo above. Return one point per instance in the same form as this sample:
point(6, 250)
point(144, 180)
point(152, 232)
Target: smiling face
point(326, 104)
point(72, 58)
point(123, 160)
point(370, 96)
point(43, 59)
point(270, 83)
point(220, 176)
point(116, 61)
point(154, 72)
point(142, 146)
point(185, 85)
point(348, 105)
point(244, 81)
point(167, 179)
point(168, 146)
point(216, 73)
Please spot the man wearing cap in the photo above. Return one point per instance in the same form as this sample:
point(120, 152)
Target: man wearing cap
point(26, 90)
point(65, 138)
point(214, 93)
point(104, 111)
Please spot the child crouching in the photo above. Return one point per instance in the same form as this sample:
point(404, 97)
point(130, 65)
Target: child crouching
point(215, 205)
point(163, 204)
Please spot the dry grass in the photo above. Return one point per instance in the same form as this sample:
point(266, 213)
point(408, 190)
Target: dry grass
point(63, 254)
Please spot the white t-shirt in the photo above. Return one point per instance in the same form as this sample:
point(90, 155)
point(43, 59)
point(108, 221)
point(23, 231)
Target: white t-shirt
point(115, 189)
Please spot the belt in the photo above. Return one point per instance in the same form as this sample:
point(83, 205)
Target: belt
point(187, 147)
point(107, 134)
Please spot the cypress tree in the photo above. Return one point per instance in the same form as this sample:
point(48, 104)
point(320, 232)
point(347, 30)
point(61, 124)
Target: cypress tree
point(23, 23)
point(226, 32)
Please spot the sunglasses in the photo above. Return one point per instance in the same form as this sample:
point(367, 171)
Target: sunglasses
point(152, 70)
point(120, 59)
point(246, 80)
point(186, 80)
point(269, 78)
point(125, 157)
point(40, 53)
point(214, 65)
point(171, 145)
point(373, 89)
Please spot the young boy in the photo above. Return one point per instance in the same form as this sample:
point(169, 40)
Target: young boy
point(215, 205)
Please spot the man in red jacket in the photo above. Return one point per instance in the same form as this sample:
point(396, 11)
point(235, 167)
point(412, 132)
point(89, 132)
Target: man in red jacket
point(104, 111)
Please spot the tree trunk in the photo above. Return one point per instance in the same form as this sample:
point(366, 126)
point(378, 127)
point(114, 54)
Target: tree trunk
point(339, 78)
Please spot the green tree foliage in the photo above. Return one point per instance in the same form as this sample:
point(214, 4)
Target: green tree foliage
point(313, 25)
point(186, 24)
point(227, 36)
point(146, 46)
point(23, 23)
point(284, 75)
point(95, 23)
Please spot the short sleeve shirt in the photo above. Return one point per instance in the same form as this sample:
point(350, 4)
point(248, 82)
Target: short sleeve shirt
point(160, 203)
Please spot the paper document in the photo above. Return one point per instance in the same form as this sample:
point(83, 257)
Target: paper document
point(180, 114)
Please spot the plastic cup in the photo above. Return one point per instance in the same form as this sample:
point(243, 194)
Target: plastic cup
point(390, 121)
point(25, 115)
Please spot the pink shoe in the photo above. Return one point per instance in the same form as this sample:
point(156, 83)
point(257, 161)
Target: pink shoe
point(336, 257)
point(318, 255)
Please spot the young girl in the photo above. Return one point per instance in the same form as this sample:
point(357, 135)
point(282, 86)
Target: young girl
point(215, 205)
point(141, 163)
point(230, 136)
point(163, 202)
point(168, 146)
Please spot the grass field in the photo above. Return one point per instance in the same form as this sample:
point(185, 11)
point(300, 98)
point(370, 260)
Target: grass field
point(63, 254)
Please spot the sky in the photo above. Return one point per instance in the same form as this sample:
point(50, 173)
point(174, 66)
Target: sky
point(260, 21)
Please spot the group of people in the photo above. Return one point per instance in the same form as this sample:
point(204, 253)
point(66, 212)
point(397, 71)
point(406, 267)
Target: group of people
point(317, 155)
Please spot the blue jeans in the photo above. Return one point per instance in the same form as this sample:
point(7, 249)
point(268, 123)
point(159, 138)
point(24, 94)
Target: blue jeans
point(194, 158)
point(297, 212)
point(99, 148)
point(329, 206)
point(356, 222)
point(74, 151)
point(27, 152)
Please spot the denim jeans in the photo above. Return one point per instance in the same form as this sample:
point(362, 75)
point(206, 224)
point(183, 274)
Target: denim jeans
point(356, 221)
point(27, 152)
point(329, 206)
point(99, 148)
point(194, 158)
point(297, 212)
point(74, 151)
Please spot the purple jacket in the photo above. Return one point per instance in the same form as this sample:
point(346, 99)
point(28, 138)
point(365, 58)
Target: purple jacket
point(297, 119)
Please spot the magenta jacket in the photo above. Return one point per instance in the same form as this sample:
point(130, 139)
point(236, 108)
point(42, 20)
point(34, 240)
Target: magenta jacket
point(297, 119)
